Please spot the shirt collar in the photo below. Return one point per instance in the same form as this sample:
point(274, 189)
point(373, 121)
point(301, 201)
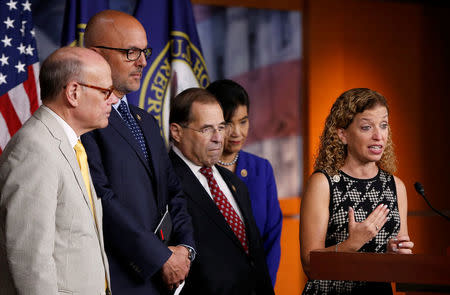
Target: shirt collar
point(116, 105)
point(194, 167)
point(70, 133)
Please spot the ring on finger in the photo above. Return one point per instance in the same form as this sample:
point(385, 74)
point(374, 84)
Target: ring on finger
point(376, 226)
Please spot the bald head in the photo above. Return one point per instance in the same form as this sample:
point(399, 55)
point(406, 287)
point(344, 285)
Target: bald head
point(113, 34)
point(76, 84)
point(108, 27)
point(64, 65)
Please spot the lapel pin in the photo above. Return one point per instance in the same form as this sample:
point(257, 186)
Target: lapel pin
point(233, 188)
point(138, 117)
point(244, 173)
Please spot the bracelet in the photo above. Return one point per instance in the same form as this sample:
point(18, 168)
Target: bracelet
point(335, 247)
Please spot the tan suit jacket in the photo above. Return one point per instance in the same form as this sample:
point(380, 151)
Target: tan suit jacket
point(49, 241)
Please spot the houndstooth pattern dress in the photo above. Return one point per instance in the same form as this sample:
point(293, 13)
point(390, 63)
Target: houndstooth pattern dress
point(363, 195)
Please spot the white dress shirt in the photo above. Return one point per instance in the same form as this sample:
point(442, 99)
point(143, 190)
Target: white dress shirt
point(204, 182)
point(70, 133)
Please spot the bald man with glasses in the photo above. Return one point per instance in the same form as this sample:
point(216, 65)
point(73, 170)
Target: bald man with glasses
point(51, 237)
point(231, 256)
point(132, 173)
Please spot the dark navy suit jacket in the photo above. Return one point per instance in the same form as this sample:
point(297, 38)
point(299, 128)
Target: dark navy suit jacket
point(134, 196)
point(221, 266)
point(257, 174)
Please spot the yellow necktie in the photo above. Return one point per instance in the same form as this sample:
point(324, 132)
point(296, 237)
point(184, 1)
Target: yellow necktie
point(82, 161)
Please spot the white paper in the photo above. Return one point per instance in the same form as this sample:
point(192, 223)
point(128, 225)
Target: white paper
point(178, 290)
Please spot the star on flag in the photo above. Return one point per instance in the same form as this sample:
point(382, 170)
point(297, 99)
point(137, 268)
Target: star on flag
point(19, 67)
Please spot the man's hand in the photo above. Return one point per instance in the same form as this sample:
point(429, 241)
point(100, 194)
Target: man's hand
point(176, 268)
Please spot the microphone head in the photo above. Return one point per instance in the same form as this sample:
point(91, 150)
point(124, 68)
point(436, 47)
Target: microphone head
point(419, 188)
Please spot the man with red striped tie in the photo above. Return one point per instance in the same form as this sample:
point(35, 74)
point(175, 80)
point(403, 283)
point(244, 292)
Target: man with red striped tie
point(230, 256)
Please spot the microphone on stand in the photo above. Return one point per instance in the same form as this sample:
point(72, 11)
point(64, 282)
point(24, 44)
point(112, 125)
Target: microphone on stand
point(419, 188)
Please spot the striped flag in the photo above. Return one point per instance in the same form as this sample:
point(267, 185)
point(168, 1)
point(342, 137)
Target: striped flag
point(19, 67)
point(177, 61)
point(76, 16)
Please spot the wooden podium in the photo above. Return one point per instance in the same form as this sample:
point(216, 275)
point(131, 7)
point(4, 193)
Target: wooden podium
point(415, 272)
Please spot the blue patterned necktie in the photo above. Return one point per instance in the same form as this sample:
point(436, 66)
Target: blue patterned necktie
point(133, 126)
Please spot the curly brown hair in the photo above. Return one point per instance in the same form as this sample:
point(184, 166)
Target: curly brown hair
point(332, 152)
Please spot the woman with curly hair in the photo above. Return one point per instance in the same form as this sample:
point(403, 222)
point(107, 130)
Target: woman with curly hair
point(352, 202)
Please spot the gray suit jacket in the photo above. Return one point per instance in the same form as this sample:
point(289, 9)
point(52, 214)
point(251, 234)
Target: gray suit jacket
point(49, 241)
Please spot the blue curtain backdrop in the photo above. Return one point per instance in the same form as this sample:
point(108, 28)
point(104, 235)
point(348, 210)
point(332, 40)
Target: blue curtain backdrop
point(76, 16)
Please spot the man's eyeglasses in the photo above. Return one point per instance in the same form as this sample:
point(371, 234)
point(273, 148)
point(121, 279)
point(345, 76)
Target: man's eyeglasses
point(209, 131)
point(132, 53)
point(106, 91)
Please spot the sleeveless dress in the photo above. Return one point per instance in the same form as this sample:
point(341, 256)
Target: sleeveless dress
point(363, 195)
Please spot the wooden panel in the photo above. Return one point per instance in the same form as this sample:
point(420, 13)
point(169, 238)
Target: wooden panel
point(414, 268)
point(263, 4)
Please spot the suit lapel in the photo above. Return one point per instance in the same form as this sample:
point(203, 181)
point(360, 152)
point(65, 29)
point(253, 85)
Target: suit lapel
point(66, 150)
point(196, 192)
point(69, 154)
point(116, 122)
point(150, 137)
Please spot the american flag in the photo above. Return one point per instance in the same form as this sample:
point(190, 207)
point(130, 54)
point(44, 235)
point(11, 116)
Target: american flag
point(19, 67)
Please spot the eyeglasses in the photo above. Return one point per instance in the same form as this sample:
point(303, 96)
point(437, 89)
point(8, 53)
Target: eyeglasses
point(209, 131)
point(106, 91)
point(132, 53)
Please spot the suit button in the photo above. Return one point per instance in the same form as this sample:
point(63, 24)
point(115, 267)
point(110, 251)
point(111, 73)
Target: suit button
point(252, 264)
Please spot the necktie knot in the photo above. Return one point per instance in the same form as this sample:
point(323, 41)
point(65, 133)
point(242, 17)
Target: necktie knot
point(123, 109)
point(79, 148)
point(207, 172)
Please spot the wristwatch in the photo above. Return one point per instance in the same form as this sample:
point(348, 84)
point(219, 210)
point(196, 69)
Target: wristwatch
point(191, 255)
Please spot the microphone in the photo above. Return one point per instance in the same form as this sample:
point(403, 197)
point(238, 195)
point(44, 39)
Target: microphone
point(419, 188)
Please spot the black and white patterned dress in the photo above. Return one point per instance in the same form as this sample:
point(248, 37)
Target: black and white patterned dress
point(363, 195)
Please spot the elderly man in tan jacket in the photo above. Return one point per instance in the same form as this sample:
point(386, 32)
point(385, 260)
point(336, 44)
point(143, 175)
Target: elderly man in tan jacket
point(51, 238)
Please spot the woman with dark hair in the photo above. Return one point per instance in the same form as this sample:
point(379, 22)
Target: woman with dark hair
point(352, 202)
point(254, 171)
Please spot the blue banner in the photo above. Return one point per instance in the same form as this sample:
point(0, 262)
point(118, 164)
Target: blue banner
point(177, 61)
point(76, 16)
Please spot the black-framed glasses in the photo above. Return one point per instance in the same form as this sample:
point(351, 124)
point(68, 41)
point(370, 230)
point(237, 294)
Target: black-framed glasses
point(209, 131)
point(132, 53)
point(106, 91)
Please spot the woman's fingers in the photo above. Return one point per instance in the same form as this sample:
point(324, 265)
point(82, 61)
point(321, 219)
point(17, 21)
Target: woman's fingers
point(382, 218)
point(379, 217)
point(379, 210)
point(404, 251)
point(351, 217)
point(392, 246)
point(405, 245)
point(400, 245)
